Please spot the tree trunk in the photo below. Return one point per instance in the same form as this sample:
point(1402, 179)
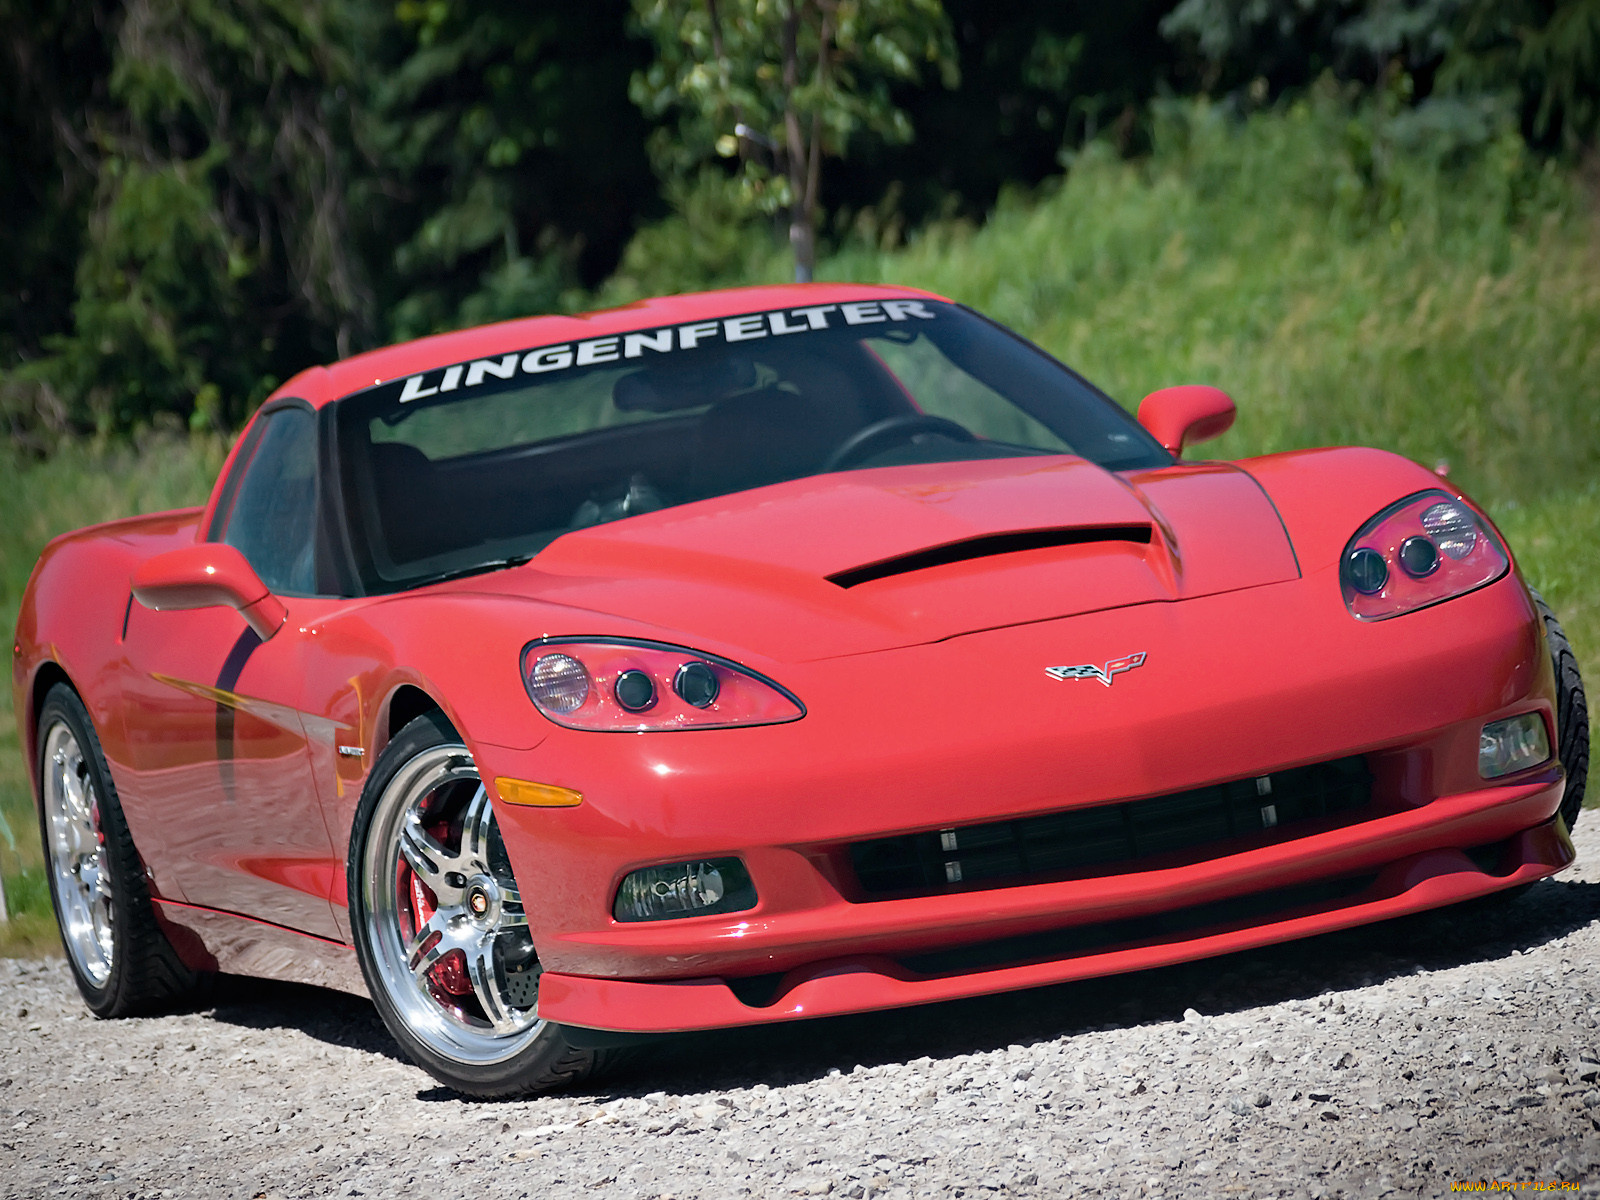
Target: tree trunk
point(803, 240)
point(802, 234)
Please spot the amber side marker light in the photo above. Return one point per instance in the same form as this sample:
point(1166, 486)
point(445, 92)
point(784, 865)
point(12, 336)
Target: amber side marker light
point(536, 795)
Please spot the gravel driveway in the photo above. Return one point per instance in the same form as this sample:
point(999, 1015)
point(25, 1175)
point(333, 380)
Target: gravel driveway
point(1387, 1061)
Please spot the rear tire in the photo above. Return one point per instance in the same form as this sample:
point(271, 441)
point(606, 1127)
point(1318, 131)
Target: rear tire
point(121, 960)
point(440, 929)
point(1572, 713)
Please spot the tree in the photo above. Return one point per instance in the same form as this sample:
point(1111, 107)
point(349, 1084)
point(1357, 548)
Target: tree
point(778, 85)
point(215, 254)
point(506, 135)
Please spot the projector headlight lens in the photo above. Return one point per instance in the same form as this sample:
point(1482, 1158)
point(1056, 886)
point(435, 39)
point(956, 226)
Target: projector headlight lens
point(628, 685)
point(1419, 551)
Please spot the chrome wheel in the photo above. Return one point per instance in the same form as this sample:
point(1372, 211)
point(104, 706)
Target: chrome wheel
point(444, 918)
point(78, 861)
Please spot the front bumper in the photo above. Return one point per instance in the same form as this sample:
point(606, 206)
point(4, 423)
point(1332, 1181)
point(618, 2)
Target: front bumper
point(973, 730)
point(861, 983)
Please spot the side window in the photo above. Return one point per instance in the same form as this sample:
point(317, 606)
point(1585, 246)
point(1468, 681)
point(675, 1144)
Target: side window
point(272, 520)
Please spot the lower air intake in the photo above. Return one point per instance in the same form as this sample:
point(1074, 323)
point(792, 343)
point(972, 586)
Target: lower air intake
point(1110, 838)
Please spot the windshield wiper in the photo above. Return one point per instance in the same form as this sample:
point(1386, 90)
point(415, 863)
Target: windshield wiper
point(483, 568)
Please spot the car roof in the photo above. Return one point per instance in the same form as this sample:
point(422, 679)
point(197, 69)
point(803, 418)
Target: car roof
point(319, 385)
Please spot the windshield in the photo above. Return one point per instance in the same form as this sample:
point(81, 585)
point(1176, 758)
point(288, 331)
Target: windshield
point(470, 466)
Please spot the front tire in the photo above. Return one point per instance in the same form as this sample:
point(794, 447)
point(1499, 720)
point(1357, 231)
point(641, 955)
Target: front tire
point(1572, 713)
point(440, 928)
point(120, 958)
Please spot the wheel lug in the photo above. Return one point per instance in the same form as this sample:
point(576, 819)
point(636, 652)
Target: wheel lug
point(455, 879)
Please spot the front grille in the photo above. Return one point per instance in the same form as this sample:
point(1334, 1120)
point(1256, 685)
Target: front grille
point(1091, 841)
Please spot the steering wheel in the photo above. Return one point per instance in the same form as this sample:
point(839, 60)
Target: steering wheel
point(880, 435)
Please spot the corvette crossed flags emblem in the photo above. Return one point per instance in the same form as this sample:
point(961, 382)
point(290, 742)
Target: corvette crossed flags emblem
point(1104, 674)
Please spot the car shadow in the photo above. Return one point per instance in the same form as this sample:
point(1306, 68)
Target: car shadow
point(795, 1052)
point(333, 1017)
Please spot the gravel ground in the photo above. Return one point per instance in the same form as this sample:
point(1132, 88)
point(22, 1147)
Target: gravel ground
point(1389, 1061)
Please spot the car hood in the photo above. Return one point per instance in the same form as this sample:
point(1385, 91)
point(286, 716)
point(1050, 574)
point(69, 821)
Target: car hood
point(858, 561)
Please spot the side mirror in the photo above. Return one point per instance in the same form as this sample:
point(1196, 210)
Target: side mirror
point(204, 575)
point(1185, 415)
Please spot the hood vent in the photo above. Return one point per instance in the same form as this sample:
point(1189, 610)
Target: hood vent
point(987, 546)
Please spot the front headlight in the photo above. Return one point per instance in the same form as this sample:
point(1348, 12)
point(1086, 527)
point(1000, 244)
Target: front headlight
point(622, 685)
point(1419, 551)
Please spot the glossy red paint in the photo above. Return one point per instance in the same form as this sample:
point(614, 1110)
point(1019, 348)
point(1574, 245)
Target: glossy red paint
point(1213, 690)
point(1187, 415)
point(208, 575)
point(240, 761)
point(858, 984)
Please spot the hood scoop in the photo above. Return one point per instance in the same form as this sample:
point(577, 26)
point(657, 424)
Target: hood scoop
point(987, 546)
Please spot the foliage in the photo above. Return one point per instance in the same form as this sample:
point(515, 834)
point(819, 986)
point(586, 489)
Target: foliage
point(46, 180)
point(214, 195)
point(1542, 54)
point(1285, 43)
point(779, 85)
point(216, 253)
point(707, 241)
point(205, 197)
point(507, 130)
point(1546, 54)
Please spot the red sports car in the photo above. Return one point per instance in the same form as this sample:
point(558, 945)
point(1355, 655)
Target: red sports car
point(759, 655)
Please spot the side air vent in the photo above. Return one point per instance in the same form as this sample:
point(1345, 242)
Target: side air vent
point(988, 546)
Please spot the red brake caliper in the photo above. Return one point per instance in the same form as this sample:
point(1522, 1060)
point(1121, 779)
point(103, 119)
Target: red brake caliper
point(450, 972)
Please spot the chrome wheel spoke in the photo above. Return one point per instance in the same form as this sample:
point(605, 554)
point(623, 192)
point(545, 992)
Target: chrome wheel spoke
point(77, 804)
point(475, 830)
point(93, 879)
point(480, 966)
point(437, 930)
point(512, 914)
point(430, 861)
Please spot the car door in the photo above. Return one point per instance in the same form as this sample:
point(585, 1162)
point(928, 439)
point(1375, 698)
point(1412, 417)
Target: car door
point(220, 769)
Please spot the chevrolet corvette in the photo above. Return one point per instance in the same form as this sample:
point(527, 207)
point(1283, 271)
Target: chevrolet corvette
point(763, 655)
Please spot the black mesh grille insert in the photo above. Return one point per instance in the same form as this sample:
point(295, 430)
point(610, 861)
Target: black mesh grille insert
point(1089, 841)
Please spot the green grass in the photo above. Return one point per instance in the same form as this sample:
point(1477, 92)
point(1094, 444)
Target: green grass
point(1344, 288)
point(81, 484)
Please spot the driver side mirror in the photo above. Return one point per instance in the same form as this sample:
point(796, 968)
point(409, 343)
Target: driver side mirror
point(207, 574)
point(1186, 415)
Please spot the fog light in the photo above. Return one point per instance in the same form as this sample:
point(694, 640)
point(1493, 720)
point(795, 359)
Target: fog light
point(1514, 744)
point(693, 889)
